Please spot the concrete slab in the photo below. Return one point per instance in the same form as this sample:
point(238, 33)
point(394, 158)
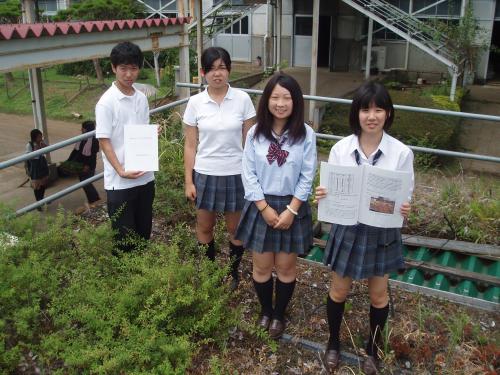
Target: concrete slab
point(13, 139)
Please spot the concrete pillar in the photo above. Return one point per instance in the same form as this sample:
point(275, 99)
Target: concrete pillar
point(314, 63)
point(199, 36)
point(35, 79)
point(369, 49)
point(183, 51)
point(278, 34)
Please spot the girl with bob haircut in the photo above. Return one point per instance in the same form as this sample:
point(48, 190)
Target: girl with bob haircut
point(279, 162)
point(360, 251)
point(216, 120)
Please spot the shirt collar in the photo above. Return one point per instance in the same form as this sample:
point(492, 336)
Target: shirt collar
point(120, 95)
point(383, 145)
point(229, 94)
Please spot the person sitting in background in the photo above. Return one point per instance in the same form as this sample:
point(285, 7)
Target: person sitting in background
point(86, 154)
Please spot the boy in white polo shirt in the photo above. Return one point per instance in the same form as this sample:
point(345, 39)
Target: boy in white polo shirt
point(130, 194)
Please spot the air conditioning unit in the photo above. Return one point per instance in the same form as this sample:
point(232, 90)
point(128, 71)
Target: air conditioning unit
point(377, 57)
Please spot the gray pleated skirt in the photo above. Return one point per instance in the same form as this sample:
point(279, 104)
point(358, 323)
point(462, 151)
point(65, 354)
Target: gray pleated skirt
point(219, 193)
point(362, 251)
point(256, 235)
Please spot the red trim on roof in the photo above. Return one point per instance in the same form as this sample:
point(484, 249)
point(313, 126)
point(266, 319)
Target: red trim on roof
point(36, 30)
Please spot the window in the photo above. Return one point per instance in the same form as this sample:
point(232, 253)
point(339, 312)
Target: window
point(303, 25)
point(239, 27)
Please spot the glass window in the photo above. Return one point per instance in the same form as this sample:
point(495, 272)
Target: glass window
point(303, 25)
point(236, 27)
point(244, 25)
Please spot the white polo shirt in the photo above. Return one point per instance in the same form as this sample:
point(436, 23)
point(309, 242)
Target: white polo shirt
point(396, 156)
point(220, 130)
point(113, 112)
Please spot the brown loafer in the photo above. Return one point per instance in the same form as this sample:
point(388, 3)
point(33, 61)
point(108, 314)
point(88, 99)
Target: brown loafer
point(370, 366)
point(332, 359)
point(276, 329)
point(263, 322)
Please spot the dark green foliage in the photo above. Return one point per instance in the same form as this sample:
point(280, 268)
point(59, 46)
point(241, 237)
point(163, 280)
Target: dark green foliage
point(10, 11)
point(90, 10)
point(78, 309)
point(170, 201)
point(84, 68)
point(412, 128)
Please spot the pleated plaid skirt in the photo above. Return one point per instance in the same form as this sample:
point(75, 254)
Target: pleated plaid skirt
point(362, 251)
point(219, 193)
point(256, 235)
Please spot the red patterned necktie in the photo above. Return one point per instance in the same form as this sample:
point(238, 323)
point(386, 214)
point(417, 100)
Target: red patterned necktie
point(276, 153)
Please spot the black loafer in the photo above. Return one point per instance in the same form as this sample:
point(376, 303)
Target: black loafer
point(276, 329)
point(264, 322)
point(332, 359)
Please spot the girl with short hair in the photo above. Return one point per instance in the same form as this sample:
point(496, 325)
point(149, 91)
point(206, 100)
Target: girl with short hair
point(360, 251)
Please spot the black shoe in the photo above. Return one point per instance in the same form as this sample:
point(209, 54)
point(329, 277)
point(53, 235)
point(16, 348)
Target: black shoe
point(332, 359)
point(276, 329)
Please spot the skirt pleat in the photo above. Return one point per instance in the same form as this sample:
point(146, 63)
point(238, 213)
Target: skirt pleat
point(362, 251)
point(257, 236)
point(219, 193)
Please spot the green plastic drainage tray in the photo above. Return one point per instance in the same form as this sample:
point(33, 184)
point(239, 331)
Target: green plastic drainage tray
point(468, 279)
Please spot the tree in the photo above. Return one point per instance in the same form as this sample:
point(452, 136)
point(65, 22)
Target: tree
point(10, 12)
point(466, 39)
point(93, 10)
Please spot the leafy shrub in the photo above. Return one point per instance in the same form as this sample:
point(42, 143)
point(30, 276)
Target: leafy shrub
point(170, 201)
point(67, 305)
point(84, 68)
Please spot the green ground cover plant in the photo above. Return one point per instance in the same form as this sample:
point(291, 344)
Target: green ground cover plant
point(67, 305)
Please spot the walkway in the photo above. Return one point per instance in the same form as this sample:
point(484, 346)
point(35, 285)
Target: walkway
point(333, 84)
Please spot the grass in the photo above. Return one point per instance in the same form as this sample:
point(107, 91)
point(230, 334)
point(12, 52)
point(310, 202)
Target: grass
point(58, 89)
point(459, 206)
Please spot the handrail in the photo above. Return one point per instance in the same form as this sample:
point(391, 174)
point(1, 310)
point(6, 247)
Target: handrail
point(58, 145)
point(428, 150)
point(59, 194)
point(476, 116)
point(81, 137)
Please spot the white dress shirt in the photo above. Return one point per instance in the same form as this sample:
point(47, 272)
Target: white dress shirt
point(294, 177)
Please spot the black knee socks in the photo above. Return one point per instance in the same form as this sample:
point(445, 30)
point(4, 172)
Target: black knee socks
point(284, 292)
point(39, 193)
point(235, 255)
point(210, 249)
point(265, 294)
point(335, 312)
point(378, 317)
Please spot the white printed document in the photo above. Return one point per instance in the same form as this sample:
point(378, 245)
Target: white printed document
point(363, 194)
point(141, 148)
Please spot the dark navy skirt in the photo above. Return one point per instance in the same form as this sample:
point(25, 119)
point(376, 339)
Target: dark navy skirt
point(219, 193)
point(362, 251)
point(257, 236)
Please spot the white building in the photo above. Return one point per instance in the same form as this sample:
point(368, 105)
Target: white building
point(244, 26)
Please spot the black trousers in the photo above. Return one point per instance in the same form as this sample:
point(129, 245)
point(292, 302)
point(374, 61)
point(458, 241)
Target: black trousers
point(131, 212)
point(89, 189)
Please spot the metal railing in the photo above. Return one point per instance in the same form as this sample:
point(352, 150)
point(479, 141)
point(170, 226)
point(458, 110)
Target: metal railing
point(81, 137)
point(57, 146)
